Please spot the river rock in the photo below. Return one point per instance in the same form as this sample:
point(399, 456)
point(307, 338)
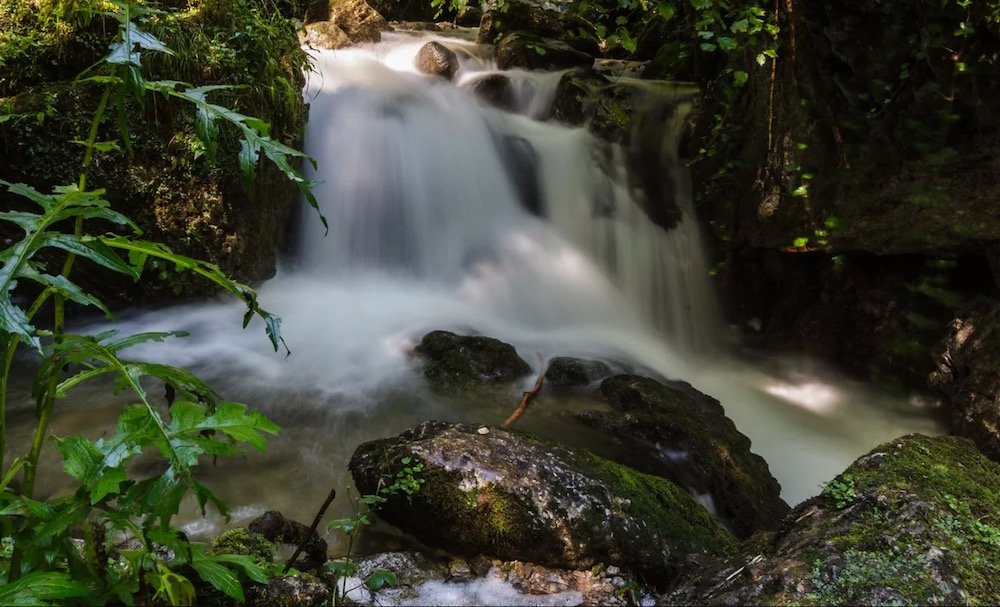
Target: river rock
point(358, 19)
point(967, 374)
point(457, 362)
point(565, 371)
point(324, 34)
point(422, 576)
point(519, 16)
point(495, 89)
point(515, 497)
point(684, 435)
point(521, 161)
point(532, 52)
point(302, 590)
point(436, 59)
point(913, 522)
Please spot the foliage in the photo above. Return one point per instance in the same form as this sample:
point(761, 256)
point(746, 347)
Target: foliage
point(841, 490)
point(157, 564)
point(407, 481)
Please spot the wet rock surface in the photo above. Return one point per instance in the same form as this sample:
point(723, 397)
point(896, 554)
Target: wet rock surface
point(456, 362)
point(357, 19)
point(565, 371)
point(912, 522)
point(495, 89)
point(301, 590)
point(515, 497)
point(967, 374)
point(423, 577)
point(684, 435)
point(436, 59)
point(532, 52)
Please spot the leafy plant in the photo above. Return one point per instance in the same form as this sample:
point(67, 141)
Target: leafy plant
point(157, 563)
point(841, 490)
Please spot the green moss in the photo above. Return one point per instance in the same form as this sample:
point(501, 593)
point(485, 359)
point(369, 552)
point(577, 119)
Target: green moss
point(934, 493)
point(241, 540)
point(660, 503)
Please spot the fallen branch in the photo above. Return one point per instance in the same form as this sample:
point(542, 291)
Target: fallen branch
point(527, 397)
point(311, 531)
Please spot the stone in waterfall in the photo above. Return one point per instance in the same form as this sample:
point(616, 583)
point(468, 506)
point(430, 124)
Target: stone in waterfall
point(967, 374)
point(514, 497)
point(565, 371)
point(496, 90)
point(521, 161)
point(913, 522)
point(324, 34)
point(453, 363)
point(436, 59)
point(531, 52)
point(684, 435)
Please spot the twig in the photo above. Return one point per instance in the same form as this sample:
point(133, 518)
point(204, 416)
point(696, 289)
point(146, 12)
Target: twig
point(527, 397)
point(311, 531)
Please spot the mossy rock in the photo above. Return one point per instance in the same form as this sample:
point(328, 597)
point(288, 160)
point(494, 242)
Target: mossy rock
point(685, 435)
point(566, 371)
point(242, 541)
point(913, 522)
point(508, 495)
point(528, 51)
point(453, 363)
point(967, 374)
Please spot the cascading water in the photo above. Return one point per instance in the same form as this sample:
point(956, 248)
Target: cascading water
point(447, 213)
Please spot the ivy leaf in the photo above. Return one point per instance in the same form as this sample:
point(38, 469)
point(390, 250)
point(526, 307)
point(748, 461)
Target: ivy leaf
point(380, 578)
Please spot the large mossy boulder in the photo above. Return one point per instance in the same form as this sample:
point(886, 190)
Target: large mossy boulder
point(520, 49)
point(200, 205)
point(507, 495)
point(519, 16)
point(914, 522)
point(684, 435)
point(967, 374)
point(453, 363)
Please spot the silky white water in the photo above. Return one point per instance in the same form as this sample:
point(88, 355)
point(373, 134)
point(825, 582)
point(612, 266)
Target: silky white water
point(430, 228)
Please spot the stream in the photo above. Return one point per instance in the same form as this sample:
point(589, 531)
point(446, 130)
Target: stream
point(447, 213)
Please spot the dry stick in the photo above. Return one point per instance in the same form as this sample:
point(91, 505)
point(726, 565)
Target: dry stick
point(312, 530)
point(527, 397)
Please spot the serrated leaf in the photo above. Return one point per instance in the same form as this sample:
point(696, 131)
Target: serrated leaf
point(90, 248)
point(42, 588)
point(81, 458)
point(66, 288)
point(216, 574)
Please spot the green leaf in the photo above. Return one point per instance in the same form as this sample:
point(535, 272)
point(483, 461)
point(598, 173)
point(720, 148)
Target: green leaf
point(708, 47)
point(66, 288)
point(726, 43)
point(342, 568)
point(42, 588)
point(170, 585)
point(740, 77)
point(216, 574)
point(250, 567)
point(90, 248)
point(380, 578)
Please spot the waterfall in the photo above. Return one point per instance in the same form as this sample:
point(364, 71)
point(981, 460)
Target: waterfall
point(540, 222)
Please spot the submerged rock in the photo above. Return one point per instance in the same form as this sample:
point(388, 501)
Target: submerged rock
point(495, 89)
point(515, 497)
point(685, 435)
point(436, 59)
point(423, 578)
point(456, 362)
point(967, 373)
point(912, 522)
point(566, 371)
point(531, 52)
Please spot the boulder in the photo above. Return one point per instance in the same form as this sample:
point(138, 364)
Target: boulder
point(521, 161)
point(457, 362)
point(684, 435)
point(302, 590)
point(324, 34)
point(967, 374)
point(532, 52)
point(358, 19)
point(436, 59)
point(913, 522)
point(507, 495)
point(565, 371)
point(519, 16)
point(495, 89)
